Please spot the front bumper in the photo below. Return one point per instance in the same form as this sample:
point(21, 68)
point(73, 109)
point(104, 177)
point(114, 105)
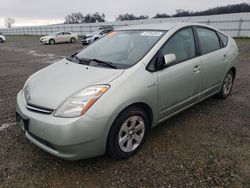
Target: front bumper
point(3, 38)
point(86, 41)
point(44, 41)
point(68, 138)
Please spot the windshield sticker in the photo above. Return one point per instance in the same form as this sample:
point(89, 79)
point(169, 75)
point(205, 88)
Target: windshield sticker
point(151, 34)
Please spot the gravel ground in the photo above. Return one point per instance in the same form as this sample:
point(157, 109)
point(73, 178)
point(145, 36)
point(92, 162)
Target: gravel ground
point(205, 146)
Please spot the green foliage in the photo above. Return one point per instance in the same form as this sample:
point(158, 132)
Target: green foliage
point(243, 7)
point(78, 17)
point(124, 17)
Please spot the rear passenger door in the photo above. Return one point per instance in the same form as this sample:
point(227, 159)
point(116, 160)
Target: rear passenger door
point(66, 36)
point(213, 60)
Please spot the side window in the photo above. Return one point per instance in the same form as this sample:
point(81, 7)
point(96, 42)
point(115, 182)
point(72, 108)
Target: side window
point(182, 44)
point(209, 40)
point(223, 38)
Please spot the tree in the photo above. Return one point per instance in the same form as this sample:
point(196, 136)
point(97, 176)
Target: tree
point(8, 22)
point(243, 7)
point(236, 8)
point(182, 13)
point(124, 17)
point(99, 17)
point(96, 17)
point(74, 18)
point(161, 15)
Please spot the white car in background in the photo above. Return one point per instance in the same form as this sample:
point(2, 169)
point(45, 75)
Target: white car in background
point(59, 37)
point(2, 38)
point(92, 37)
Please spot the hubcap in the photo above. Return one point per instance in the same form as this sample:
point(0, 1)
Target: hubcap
point(227, 85)
point(131, 134)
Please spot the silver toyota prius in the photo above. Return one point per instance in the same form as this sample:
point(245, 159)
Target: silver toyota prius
point(107, 97)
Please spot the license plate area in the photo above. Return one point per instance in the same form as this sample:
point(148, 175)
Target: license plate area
point(22, 122)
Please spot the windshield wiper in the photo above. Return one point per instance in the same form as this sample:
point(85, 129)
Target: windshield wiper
point(88, 61)
point(80, 60)
point(106, 63)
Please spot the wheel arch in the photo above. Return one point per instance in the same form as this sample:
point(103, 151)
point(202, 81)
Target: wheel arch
point(142, 105)
point(52, 39)
point(233, 69)
point(145, 107)
point(72, 37)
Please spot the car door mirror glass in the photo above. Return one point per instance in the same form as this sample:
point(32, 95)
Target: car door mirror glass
point(169, 59)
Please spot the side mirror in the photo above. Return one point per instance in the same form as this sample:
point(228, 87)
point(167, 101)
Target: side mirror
point(169, 59)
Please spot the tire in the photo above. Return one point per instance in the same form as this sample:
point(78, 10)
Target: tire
point(1, 40)
point(96, 39)
point(124, 139)
point(72, 40)
point(52, 41)
point(226, 86)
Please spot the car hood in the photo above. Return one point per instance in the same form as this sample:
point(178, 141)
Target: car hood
point(51, 86)
point(89, 35)
point(45, 37)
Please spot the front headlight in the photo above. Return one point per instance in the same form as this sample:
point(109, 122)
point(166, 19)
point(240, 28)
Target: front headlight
point(79, 103)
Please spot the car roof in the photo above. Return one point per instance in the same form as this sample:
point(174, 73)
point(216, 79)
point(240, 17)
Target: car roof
point(160, 26)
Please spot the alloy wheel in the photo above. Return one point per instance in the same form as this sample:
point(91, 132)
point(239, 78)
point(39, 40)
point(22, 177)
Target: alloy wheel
point(228, 83)
point(131, 134)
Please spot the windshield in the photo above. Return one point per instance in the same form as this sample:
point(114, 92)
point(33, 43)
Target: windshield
point(96, 32)
point(124, 48)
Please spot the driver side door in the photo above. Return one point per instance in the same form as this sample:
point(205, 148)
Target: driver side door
point(179, 83)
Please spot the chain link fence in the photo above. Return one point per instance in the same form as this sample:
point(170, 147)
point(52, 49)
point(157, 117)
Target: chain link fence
point(236, 25)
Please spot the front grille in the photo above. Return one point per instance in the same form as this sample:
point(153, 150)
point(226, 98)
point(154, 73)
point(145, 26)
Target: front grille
point(39, 109)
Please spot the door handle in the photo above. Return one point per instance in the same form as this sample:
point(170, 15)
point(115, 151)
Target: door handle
point(196, 68)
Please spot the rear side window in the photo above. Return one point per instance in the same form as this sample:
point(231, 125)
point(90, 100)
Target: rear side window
point(66, 33)
point(223, 38)
point(182, 45)
point(209, 40)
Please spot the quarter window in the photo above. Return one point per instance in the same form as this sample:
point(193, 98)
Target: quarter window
point(182, 44)
point(209, 40)
point(224, 39)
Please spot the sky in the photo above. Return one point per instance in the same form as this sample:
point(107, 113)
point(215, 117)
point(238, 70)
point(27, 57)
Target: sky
point(43, 12)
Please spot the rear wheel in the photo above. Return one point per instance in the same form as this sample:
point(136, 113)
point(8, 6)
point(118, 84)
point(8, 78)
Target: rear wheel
point(72, 40)
point(128, 133)
point(1, 40)
point(52, 41)
point(227, 85)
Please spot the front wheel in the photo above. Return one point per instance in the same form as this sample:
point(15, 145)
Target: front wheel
point(1, 40)
point(128, 133)
point(227, 85)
